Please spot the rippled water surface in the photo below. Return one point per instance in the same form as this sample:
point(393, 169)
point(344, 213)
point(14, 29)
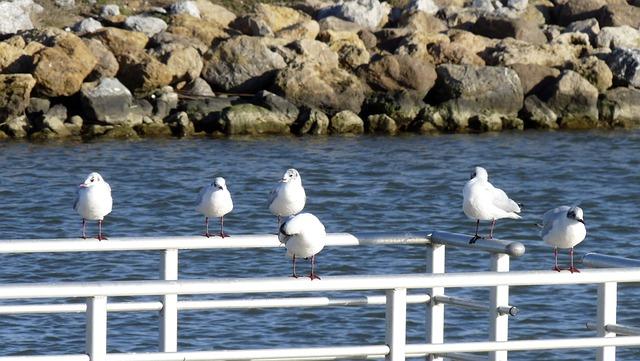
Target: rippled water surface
point(407, 183)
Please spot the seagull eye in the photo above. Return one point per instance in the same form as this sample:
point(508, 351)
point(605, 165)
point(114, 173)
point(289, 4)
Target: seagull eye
point(92, 179)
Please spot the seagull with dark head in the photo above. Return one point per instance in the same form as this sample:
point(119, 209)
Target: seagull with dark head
point(288, 197)
point(304, 236)
point(563, 227)
point(214, 200)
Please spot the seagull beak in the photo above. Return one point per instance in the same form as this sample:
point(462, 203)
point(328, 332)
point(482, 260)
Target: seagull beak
point(82, 185)
point(580, 220)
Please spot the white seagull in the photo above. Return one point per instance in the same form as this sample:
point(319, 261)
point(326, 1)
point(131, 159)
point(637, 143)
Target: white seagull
point(304, 236)
point(563, 227)
point(93, 201)
point(214, 200)
point(288, 197)
point(484, 202)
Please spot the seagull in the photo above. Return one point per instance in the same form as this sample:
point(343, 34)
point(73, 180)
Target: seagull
point(93, 201)
point(484, 202)
point(563, 227)
point(214, 200)
point(288, 197)
point(304, 236)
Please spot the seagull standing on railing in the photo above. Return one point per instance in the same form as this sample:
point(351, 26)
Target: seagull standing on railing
point(288, 197)
point(563, 227)
point(93, 202)
point(484, 202)
point(214, 200)
point(304, 236)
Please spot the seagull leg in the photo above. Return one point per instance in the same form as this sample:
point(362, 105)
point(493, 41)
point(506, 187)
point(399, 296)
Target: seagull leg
point(493, 224)
point(84, 222)
point(206, 227)
point(476, 236)
point(572, 268)
point(555, 255)
point(313, 275)
point(222, 234)
point(294, 275)
point(278, 231)
point(100, 236)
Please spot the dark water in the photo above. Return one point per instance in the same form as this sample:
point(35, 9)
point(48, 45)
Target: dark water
point(406, 183)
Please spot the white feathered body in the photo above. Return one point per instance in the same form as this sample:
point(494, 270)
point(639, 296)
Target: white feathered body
point(485, 202)
point(287, 199)
point(94, 202)
point(214, 202)
point(560, 231)
point(303, 235)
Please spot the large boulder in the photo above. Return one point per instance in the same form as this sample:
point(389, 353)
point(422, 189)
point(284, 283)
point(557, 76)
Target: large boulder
point(535, 79)
point(191, 27)
point(625, 66)
point(107, 65)
point(575, 101)
point(242, 64)
point(595, 71)
point(572, 10)
point(346, 122)
point(121, 41)
point(143, 73)
point(500, 27)
point(311, 121)
point(148, 25)
point(422, 21)
point(619, 15)
point(510, 51)
point(60, 70)
point(16, 15)
point(462, 47)
point(184, 62)
point(351, 50)
point(620, 107)
point(186, 7)
point(249, 119)
point(380, 123)
point(398, 72)
point(367, 13)
point(87, 26)
point(106, 102)
point(537, 114)
point(214, 12)
point(277, 104)
point(475, 90)
point(14, 59)
point(15, 91)
point(618, 37)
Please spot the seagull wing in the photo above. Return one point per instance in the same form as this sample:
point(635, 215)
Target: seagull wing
point(75, 203)
point(502, 201)
point(549, 217)
point(273, 194)
point(202, 193)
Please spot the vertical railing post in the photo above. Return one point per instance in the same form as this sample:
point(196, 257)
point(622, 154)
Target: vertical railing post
point(396, 319)
point(607, 305)
point(169, 312)
point(498, 296)
point(435, 311)
point(96, 328)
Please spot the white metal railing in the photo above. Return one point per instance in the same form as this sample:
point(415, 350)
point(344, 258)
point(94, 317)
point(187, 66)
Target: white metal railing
point(396, 298)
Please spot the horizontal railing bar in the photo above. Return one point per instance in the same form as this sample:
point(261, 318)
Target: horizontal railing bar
point(597, 260)
point(458, 240)
point(309, 353)
point(461, 302)
point(328, 283)
point(616, 328)
point(199, 242)
point(522, 345)
point(74, 357)
point(212, 304)
point(458, 356)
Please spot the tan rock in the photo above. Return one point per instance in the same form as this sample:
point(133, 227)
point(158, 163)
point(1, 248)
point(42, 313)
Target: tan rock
point(120, 41)
point(206, 31)
point(596, 71)
point(15, 92)
point(142, 73)
point(346, 122)
point(280, 17)
point(184, 63)
point(13, 59)
point(511, 51)
point(351, 50)
point(107, 65)
point(302, 30)
point(214, 12)
point(33, 47)
point(400, 72)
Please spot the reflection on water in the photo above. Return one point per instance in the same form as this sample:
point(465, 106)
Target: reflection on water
point(405, 183)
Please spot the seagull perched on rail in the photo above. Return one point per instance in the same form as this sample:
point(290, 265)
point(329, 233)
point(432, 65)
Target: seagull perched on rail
point(214, 200)
point(304, 236)
point(563, 227)
point(93, 202)
point(288, 197)
point(484, 202)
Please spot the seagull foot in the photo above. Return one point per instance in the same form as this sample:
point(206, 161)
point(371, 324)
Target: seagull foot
point(223, 235)
point(313, 276)
point(294, 276)
point(475, 238)
point(572, 269)
point(101, 237)
point(207, 234)
point(557, 269)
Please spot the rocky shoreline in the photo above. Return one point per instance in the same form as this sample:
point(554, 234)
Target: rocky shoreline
point(347, 67)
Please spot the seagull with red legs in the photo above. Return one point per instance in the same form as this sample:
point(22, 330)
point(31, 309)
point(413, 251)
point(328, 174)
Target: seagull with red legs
point(484, 202)
point(214, 200)
point(288, 197)
point(93, 202)
point(563, 227)
point(304, 236)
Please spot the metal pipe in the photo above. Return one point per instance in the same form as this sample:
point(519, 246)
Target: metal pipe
point(70, 357)
point(597, 260)
point(523, 345)
point(328, 283)
point(508, 310)
point(458, 356)
point(615, 328)
point(457, 301)
point(458, 240)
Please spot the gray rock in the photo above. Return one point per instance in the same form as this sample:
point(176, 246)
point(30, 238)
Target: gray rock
point(625, 66)
point(16, 15)
point(65, 3)
point(276, 104)
point(107, 65)
point(595, 71)
point(311, 121)
point(367, 13)
point(575, 101)
point(38, 106)
point(148, 25)
point(427, 6)
point(538, 115)
point(618, 37)
point(500, 27)
point(535, 79)
point(87, 26)
point(338, 24)
point(106, 102)
point(249, 119)
point(180, 125)
point(242, 64)
point(110, 10)
point(185, 7)
point(164, 101)
point(587, 26)
point(199, 88)
point(620, 107)
point(398, 72)
point(401, 106)
point(15, 127)
point(15, 91)
point(494, 123)
point(346, 122)
point(573, 10)
point(381, 123)
point(252, 26)
point(53, 121)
